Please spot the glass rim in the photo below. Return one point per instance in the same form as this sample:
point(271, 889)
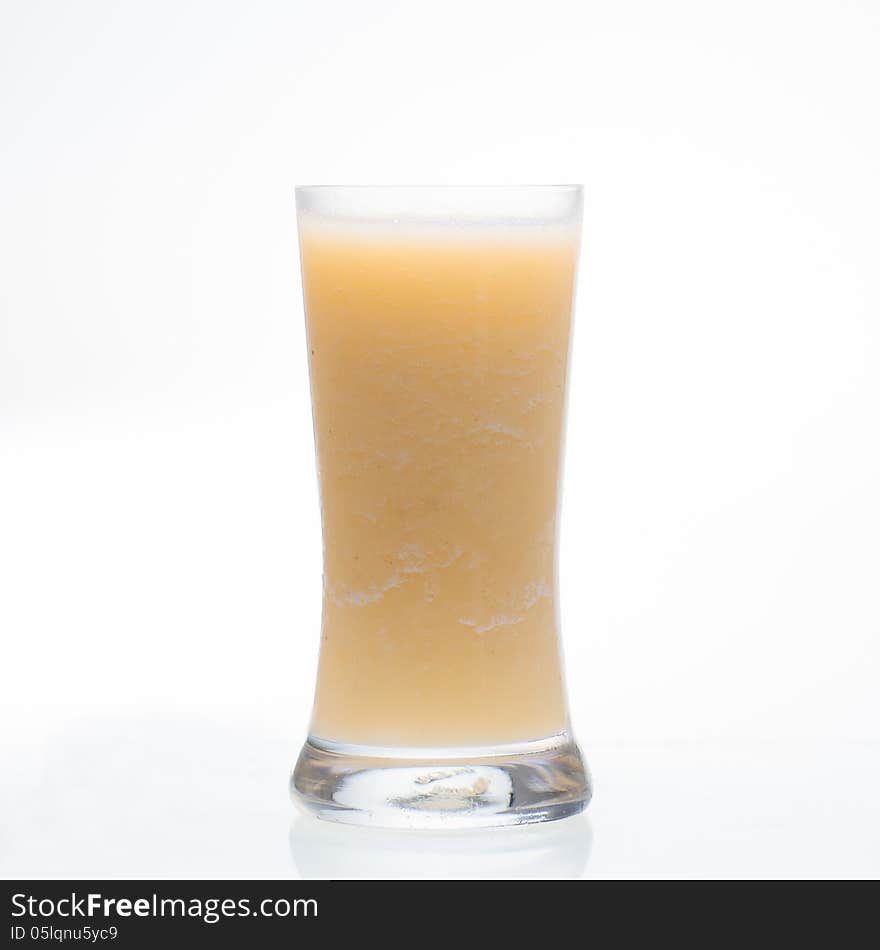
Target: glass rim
point(441, 204)
point(495, 186)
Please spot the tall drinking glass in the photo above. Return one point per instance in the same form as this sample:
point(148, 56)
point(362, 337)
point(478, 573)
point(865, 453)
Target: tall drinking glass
point(438, 327)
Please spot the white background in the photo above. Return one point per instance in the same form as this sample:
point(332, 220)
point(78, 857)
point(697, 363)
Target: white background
point(159, 532)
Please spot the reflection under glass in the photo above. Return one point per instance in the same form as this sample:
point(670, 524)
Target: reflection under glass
point(551, 851)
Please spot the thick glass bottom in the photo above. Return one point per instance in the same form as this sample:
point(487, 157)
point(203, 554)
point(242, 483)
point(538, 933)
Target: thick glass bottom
point(441, 788)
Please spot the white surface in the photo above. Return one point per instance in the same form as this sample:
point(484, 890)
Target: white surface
point(159, 533)
point(204, 795)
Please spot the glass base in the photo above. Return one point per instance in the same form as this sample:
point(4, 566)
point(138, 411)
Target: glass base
point(441, 788)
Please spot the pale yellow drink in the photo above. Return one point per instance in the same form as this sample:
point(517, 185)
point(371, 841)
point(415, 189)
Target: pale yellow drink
point(438, 363)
